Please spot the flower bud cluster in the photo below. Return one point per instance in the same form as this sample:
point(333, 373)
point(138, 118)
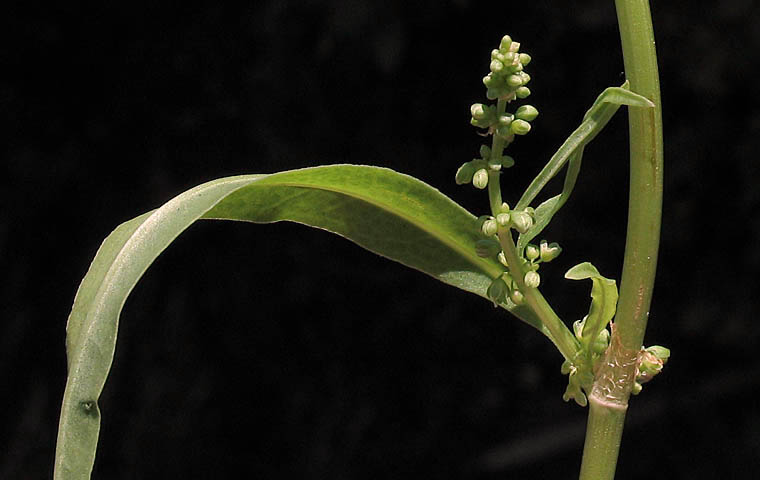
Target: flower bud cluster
point(599, 345)
point(650, 363)
point(506, 125)
point(507, 78)
point(544, 252)
point(506, 81)
point(476, 170)
point(520, 220)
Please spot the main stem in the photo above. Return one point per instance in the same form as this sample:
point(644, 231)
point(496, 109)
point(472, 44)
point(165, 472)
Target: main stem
point(608, 400)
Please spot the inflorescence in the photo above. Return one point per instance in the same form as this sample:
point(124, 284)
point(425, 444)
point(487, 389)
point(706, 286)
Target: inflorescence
point(505, 82)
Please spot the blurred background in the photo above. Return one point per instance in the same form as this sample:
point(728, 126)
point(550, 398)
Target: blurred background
point(285, 352)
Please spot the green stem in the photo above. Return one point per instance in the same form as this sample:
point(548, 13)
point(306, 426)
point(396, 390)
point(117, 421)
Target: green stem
point(563, 338)
point(558, 331)
point(614, 380)
point(497, 149)
point(600, 452)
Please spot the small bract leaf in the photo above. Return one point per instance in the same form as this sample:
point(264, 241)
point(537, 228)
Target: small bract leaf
point(604, 296)
point(582, 271)
point(465, 173)
point(497, 291)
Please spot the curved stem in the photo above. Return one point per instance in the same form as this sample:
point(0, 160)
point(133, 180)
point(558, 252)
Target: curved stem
point(614, 380)
point(646, 153)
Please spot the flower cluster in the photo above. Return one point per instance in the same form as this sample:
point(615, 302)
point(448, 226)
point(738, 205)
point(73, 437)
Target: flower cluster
point(507, 77)
point(504, 286)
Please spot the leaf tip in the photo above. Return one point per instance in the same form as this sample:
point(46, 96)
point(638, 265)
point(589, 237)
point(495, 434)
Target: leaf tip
point(582, 271)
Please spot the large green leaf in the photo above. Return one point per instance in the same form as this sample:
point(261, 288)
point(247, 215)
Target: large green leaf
point(391, 214)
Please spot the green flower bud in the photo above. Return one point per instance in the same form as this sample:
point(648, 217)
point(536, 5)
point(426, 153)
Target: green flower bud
point(505, 120)
point(524, 77)
point(480, 179)
point(488, 81)
point(636, 388)
point(532, 252)
point(532, 279)
point(503, 219)
point(485, 152)
point(479, 111)
point(507, 161)
point(522, 92)
point(517, 297)
point(660, 352)
point(503, 259)
point(481, 220)
point(495, 53)
point(504, 207)
point(525, 58)
point(465, 173)
point(514, 81)
point(509, 58)
point(514, 47)
point(506, 42)
point(497, 291)
point(487, 248)
point(601, 343)
point(496, 66)
point(490, 227)
point(649, 366)
point(521, 221)
point(520, 127)
point(549, 251)
point(527, 113)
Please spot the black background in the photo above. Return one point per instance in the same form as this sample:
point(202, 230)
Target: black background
point(285, 352)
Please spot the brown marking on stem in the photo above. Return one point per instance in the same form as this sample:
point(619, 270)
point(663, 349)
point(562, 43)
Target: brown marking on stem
point(615, 373)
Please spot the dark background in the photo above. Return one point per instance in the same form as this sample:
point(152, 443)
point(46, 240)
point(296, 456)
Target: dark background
point(285, 352)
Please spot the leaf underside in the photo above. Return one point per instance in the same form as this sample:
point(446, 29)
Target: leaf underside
point(386, 212)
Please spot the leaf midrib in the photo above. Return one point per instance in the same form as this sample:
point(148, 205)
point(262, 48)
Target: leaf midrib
point(436, 233)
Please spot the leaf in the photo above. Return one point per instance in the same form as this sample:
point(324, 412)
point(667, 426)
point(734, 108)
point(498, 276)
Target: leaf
point(623, 96)
point(388, 213)
point(604, 296)
point(595, 119)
